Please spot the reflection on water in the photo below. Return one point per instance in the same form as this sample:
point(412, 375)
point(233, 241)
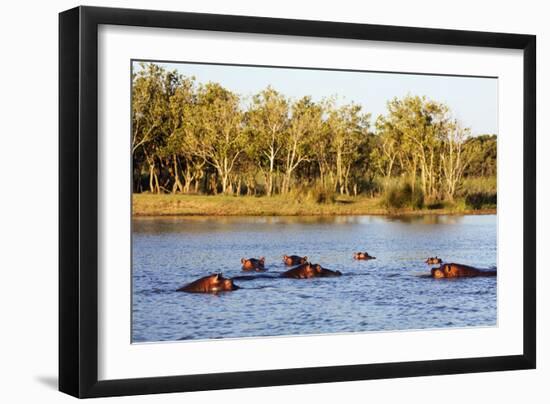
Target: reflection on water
point(388, 293)
point(427, 219)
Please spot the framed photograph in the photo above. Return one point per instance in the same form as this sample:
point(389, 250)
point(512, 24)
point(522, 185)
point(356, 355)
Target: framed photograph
point(250, 201)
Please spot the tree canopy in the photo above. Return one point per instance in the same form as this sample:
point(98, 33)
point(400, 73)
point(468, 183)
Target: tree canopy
point(203, 138)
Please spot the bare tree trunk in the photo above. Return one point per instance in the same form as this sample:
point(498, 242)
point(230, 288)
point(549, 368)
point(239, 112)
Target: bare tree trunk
point(224, 182)
point(151, 181)
point(177, 187)
point(156, 182)
point(213, 184)
point(346, 179)
point(197, 184)
point(339, 171)
point(154, 186)
point(321, 173)
point(188, 176)
point(270, 180)
point(199, 174)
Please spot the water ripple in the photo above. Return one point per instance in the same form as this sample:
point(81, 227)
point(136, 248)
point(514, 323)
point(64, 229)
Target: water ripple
point(389, 293)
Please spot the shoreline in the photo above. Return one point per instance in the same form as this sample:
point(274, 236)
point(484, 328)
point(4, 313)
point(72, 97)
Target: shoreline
point(169, 205)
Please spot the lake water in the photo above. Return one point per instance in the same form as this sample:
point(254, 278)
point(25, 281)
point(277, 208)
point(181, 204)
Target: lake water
point(388, 293)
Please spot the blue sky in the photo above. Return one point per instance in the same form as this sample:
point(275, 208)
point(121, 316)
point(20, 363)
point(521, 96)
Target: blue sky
point(472, 100)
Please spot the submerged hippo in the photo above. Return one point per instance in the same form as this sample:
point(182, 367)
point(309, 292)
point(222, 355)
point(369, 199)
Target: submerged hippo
point(324, 272)
point(307, 270)
point(433, 260)
point(292, 260)
point(253, 264)
point(459, 271)
point(363, 256)
point(210, 284)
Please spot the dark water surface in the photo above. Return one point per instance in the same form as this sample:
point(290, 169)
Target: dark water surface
point(388, 293)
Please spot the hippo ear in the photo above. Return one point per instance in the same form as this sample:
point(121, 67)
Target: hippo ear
point(305, 257)
point(216, 277)
point(242, 260)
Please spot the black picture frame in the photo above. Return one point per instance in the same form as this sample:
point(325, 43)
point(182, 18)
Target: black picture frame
point(78, 201)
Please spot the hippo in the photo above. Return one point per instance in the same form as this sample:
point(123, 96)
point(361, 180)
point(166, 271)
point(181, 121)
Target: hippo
point(308, 270)
point(324, 272)
point(363, 256)
point(459, 271)
point(434, 260)
point(253, 264)
point(302, 271)
point(292, 260)
point(210, 284)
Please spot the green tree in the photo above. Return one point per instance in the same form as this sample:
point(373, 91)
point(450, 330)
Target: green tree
point(348, 129)
point(181, 145)
point(416, 125)
point(218, 137)
point(481, 151)
point(386, 153)
point(267, 122)
point(151, 91)
point(306, 120)
point(453, 160)
point(186, 135)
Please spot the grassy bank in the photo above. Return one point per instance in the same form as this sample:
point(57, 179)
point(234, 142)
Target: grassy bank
point(220, 205)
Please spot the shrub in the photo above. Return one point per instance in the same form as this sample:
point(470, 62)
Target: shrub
point(400, 194)
point(370, 186)
point(481, 200)
point(473, 185)
point(479, 192)
point(315, 192)
point(321, 194)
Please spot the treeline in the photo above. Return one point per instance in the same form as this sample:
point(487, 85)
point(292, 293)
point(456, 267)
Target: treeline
point(203, 138)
